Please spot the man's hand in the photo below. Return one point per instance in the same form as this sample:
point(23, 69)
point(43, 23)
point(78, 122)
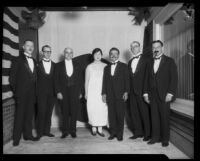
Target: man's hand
point(168, 97)
point(125, 96)
point(86, 97)
point(59, 96)
point(104, 98)
point(146, 99)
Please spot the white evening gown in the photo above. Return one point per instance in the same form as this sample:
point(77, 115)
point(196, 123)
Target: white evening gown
point(97, 110)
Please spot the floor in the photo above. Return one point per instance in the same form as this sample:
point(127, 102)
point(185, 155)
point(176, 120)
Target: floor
point(85, 143)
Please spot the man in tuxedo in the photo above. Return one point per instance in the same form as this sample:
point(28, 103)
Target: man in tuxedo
point(69, 89)
point(45, 93)
point(23, 83)
point(138, 108)
point(160, 89)
point(115, 91)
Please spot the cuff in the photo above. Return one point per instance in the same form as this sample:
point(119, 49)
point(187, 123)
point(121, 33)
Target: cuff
point(170, 94)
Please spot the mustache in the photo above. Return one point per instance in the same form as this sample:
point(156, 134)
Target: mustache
point(156, 52)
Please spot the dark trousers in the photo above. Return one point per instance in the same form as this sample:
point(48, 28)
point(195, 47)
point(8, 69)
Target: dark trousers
point(69, 109)
point(140, 115)
point(45, 109)
point(160, 112)
point(116, 114)
point(24, 113)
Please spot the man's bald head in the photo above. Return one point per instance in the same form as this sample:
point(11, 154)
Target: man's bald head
point(68, 53)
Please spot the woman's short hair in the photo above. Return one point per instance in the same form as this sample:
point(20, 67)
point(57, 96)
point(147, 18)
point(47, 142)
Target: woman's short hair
point(96, 50)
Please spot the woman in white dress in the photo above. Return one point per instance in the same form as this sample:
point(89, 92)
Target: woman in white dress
point(97, 110)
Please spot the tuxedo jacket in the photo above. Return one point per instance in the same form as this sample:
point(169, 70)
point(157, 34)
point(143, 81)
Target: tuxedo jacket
point(117, 84)
point(137, 79)
point(61, 78)
point(45, 82)
point(22, 79)
point(165, 79)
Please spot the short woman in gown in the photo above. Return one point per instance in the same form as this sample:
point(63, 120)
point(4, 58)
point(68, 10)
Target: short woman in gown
point(97, 110)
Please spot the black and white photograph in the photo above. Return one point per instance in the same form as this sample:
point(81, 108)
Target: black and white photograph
point(99, 80)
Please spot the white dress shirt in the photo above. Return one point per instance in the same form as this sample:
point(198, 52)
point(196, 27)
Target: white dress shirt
point(30, 61)
point(135, 61)
point(47, 65)
point(69, 67)
point(113, 66)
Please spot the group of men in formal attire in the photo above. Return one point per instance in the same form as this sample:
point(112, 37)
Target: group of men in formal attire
point(149, 82)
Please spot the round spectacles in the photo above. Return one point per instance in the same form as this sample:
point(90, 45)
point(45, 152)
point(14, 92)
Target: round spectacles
point(47, 51)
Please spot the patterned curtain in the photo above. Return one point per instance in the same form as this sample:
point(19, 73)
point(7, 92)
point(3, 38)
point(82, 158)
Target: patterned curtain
point(10, 49)
point(181, 48)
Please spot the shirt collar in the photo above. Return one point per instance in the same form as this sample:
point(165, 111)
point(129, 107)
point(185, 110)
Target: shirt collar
point(46, 60)
point(68, 61)
point(26, 54)
point(138, 54)
point(159, 55)
point(115, 61)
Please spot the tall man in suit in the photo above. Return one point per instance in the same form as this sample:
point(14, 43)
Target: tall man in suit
point(69, 89)
point(115, 91)
point(23, 83)
point(138, 108)
point(159, 91)
point(45, 93)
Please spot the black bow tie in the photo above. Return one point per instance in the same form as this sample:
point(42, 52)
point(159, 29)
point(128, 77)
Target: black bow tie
point(46, 60)
point(113, 63)
point(156, 58)
point(136, 57)
point(29, 57)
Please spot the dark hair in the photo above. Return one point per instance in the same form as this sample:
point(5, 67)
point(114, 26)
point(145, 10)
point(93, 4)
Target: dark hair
point(95, 51)
point(45, 46)
point(114, 49)
point(136, 42)
point(157, 41)
point(28, 40)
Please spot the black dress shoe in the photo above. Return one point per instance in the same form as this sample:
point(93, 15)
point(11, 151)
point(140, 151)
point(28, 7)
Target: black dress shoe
point(152, 142)
point(73, 135)
point(100, 134)
point(120, 138)
point(15, 143)
point(165, 144)
point(64, 135)
point(94, 133)
point(49, 135)
point(136, 136)
point(147, 138)
point(32, 138)
point(111, 137)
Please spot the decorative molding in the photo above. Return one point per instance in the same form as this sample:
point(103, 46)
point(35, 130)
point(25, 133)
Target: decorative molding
point(184, 106)
point(167, 12)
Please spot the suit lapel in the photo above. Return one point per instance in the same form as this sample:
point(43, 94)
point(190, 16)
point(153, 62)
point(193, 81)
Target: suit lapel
point(139, 64)
point(42, 67)
point(117, 68)
point(162, 62)
point(26, 64)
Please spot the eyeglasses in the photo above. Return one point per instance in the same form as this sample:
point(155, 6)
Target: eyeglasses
point(47, 51)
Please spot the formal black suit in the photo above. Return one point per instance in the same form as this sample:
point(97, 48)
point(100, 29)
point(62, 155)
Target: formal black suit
point(23, 83)
point(45, 98)
point(71, 88)
point(114, 87)
point(157, 85)
point(139, 110)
